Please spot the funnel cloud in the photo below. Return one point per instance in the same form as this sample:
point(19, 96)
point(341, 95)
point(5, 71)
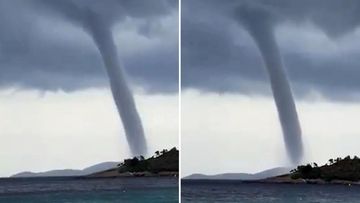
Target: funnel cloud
point(257, 23)
point(100, 31)
point(121, 92)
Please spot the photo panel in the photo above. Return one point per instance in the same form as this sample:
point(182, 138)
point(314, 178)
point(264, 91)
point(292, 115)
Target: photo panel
point(269, 96)
point(89, 101)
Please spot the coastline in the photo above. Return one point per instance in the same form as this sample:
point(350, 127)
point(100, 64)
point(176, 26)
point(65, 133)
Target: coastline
point(113, 173)
point(284, 179)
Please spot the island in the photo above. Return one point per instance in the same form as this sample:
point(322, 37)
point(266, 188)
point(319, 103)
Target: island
point(344, 171)
point(335, 171)
point(162, 163)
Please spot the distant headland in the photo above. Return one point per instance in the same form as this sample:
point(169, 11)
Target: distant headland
point(240, 176)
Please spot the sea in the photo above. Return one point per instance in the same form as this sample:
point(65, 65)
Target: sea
point(245, 192)
point(81, 190)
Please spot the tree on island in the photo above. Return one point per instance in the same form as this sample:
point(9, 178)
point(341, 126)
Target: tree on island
point(164, 151)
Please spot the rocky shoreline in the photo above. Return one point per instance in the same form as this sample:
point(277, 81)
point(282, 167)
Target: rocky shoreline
point(113, 173)
point(286, 179)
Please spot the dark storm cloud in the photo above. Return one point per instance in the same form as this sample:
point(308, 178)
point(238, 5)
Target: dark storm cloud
point(40, 48)
point(218, 54)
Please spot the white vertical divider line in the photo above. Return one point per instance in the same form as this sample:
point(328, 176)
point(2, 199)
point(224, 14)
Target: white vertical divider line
point(179, 97)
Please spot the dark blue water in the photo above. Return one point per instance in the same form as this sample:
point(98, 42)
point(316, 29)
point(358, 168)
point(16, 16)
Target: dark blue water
point(56, 190)
point(237, 191)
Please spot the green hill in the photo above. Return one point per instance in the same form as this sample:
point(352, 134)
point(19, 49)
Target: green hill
point(165, 160)
point(347, 169)
point(163, 163)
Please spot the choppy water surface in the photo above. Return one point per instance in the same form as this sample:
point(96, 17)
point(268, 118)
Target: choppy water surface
point(41, 190)
point(237, 191)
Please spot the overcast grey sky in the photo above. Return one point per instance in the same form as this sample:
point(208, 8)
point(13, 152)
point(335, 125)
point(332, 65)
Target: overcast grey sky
point(41, 49)
point(317, 39)
point(228, 110)
point(56, 109)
